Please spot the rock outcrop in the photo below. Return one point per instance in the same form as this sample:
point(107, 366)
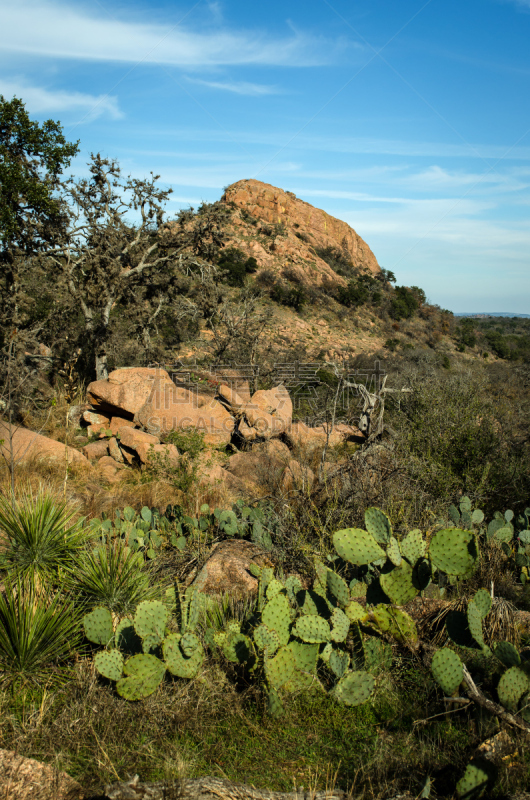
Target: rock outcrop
point(27, 445)
point(306, 230)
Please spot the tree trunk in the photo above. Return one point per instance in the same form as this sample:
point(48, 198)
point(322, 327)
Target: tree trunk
point(102, 372)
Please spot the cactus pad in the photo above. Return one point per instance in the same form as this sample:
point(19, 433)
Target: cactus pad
point(266, 639)
point(176, 662)
point(398, 585)
point(125, 637)
point(339, 662)
point(473, 784)
point(280, 669)
point(150, 642)
point(274, 703)
point(474, 621)
point(338, 587)
point(413, 546)
point(238, 648)
point(454, 551)
point(312, 629)
point(109, 663)
point(482, 600)
point(507, 654)
point(354, 688)
point(277, 615)
point(340, 625)
point(305, 656)
point(512, 685)
point(255, 570)
point(504, 534)
point(447, 670)
point(357, 546)
point(378, 525)
point(151, 618)
point(188, 644)
point(377, 655)
point(144, 674)
point(274, 588)
point(293, 586)
point(393, 552)
point(98, 626)
point(355, 612)
point(395, 622)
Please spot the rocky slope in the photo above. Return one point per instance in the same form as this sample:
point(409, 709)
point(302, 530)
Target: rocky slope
point(281, 232)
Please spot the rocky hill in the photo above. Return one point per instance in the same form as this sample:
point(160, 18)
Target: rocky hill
point(281, 231)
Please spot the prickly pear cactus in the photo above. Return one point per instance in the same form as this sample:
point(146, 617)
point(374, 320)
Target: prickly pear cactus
point(354, 688)
point(150, 619)
point(144, 673)
point(98, 626)
point(398, 584)
point(507, 654)
point(378, 525)
point(312, 629)
point(357, 546)
point(512, 686)
point(109, 664)
point(413, 546)
point(454, 551)
point(473, 784)
point(447, 670)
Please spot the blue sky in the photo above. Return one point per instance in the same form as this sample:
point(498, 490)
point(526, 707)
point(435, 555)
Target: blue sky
point(409, 120)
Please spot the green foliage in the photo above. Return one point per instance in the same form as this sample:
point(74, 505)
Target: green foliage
point(32, 157)
point(39, 634)
point(292, 296)
point(404, 303)
point(236, 266)
point(41, 537)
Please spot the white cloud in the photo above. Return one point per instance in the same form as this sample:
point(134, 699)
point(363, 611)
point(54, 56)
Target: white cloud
point(47, 28)
point(238, 87)
point(40, 100)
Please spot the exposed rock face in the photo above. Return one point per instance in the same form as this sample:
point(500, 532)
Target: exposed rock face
point(315, 228)
point(226, 570)
point(28, 445)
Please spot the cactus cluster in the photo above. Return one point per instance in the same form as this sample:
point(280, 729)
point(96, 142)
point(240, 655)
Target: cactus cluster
point(144, 639)
point(143, 532)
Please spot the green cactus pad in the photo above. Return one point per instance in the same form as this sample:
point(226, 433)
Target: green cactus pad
point(454, 514)
point(454, 551)
point(274, 588)
point(98, 626)
point(280, 669)
point(321, 574)
point(126, 638)
point(378, 525)
point(326, 652)
point(474, 621)
point(447, 670)
point(189, 644)
point(507, 654)
point(395, 622)
point(267, 574)
point(151, 618)
point(512, 685)
point(473, 784)
point(176, 661)
point(233, 626)
point(354, 688)
point(144, 674)
point(397, 584)
point(504, 534)
point(338, 587)
point(150, 642)
point(238, 648)
point(109, 663)
point(219, 638)
point(413, 546)
point(255, 570)
point(355, 612)
point(482, 600)
point(477, 517)
point(340, 625)
point(266, 639)
point(357, 546)
point(277, 615)
point(339, 662)
point(465, 504)
point(377, 655)
point(312, 629)
point(194, 610)
point(305, 656)
point(274, 703)
point(393, 552)
point(293, 586)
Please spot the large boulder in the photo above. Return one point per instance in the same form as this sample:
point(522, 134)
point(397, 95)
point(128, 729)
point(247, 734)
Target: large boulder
point(269, 413)
point(95, 450)
point(174, 408)
point(262, 466)
point(296, 477)
point(227, 569)
point(126, 390)
point(306, 441)
point(28, 445)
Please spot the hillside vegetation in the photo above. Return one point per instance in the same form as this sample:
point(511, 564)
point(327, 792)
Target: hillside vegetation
point(381, 647)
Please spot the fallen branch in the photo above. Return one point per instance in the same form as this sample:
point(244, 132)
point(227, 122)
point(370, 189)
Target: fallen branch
point(494, 708)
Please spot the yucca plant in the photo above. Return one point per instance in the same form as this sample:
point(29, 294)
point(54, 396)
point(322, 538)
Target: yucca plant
point(38, 537)
point(111, 575)
point(39, 633)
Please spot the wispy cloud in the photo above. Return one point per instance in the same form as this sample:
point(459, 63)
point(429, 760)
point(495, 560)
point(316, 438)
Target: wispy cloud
point(47, 28)
point(40, 100)
point(239, 87)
